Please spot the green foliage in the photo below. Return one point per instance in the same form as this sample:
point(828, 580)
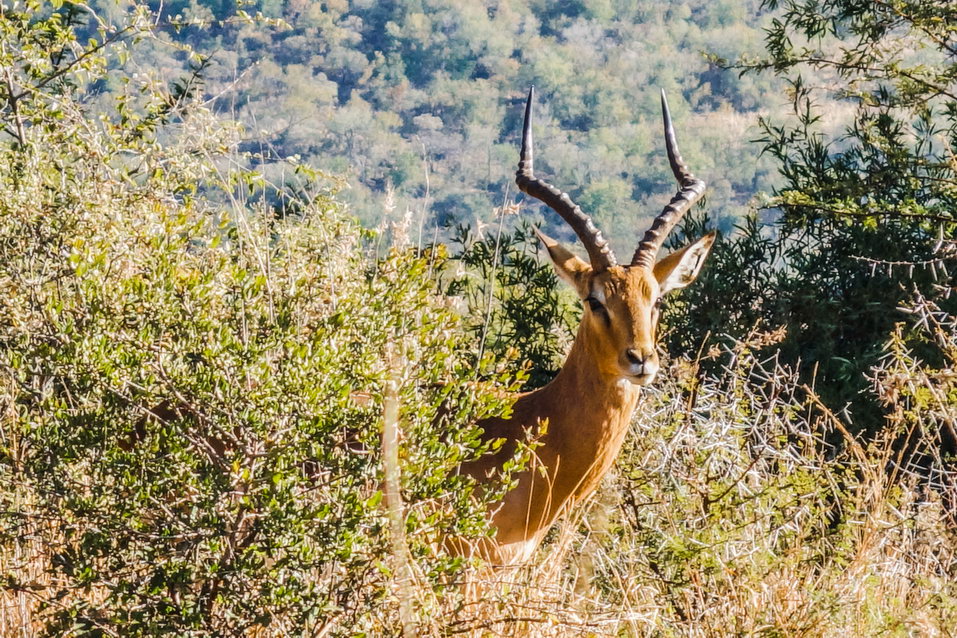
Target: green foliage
point(191, 385)
point(867, 193)
point(516, 304)
point(428, 94)
point(893, 67)
point(734, 291)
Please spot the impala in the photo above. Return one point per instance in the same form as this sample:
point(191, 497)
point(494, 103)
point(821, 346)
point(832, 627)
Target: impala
point(587, 408)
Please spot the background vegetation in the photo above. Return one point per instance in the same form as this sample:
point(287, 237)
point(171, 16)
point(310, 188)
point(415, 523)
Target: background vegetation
point(424, 97)
point(226, 408)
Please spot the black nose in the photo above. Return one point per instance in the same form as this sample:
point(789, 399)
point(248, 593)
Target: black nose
point(633, 357)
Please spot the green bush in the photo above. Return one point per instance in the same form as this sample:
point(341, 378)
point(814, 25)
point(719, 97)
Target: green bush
point(866, 198)
point(192, 388)
point(517, 308)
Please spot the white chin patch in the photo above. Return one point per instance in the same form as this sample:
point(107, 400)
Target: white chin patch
point(636, 380)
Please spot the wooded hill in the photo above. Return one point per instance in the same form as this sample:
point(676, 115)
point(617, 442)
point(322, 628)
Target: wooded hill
point(425, 97)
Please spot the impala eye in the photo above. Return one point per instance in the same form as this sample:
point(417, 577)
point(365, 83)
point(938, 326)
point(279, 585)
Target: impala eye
point(594, 304)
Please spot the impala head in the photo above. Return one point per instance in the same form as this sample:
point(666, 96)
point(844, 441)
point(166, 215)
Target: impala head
point(621, 301)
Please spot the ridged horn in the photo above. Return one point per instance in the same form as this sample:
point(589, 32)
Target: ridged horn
point(690, 190)
point(599, 252)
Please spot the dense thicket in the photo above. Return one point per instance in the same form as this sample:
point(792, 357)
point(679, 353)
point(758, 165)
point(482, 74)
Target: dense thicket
point(867, 211)
point(191, 388)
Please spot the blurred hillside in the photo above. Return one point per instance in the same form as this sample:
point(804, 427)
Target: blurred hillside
point(425, 97)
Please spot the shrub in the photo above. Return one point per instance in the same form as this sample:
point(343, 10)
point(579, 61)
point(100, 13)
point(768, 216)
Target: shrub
point(866, 189)
point(192, 388)
point(517, 308)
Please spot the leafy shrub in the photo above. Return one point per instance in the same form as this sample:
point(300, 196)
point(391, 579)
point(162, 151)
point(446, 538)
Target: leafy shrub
point(516, 306)
point(867, 191)
point(835, 286)
point(192, 389)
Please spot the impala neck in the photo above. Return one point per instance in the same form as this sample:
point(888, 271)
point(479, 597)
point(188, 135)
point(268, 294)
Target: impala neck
point(588, 411)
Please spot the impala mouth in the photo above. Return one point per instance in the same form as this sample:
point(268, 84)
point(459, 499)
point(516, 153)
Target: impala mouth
point(639, 371)
point(640, 379)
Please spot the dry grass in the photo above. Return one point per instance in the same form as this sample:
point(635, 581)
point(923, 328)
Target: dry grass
point(740, 507)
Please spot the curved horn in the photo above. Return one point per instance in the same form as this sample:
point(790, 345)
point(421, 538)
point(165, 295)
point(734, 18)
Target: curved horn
point(690, 190)
point(599, 252)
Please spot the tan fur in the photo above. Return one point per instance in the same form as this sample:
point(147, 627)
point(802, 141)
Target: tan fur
point(588, 406)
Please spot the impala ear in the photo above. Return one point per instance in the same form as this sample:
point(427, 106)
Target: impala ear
point(680, 268)
point(568, 266)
